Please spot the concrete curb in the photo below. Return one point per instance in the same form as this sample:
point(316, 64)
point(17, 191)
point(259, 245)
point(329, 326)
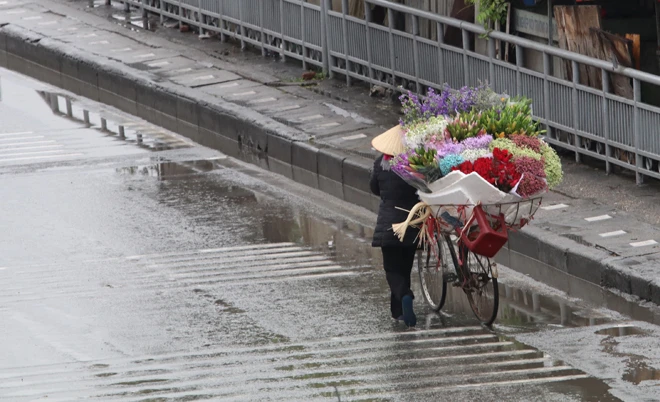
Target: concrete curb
point(239, 131)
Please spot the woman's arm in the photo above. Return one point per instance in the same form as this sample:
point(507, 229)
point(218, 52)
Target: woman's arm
point(373, 183)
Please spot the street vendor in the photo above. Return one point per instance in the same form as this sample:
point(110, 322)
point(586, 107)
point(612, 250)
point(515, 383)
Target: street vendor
point(396, 198)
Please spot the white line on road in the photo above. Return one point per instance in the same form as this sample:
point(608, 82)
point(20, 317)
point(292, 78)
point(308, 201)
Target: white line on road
point(553, 207)
point(203, 77)
point(31, 153)
point(37, 147)
point(16, 133)
point(353, 137)
point(144, 56)
point(4, 146)
point(244, 93)
point(644, 243)
point(612, 234)
point(598, 218)
point(264, 100)
point(38, 157)
point(23, 138)
point(312, 117)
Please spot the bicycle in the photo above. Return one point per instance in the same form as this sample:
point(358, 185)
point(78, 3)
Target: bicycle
point(475, 275)
point(473, 272)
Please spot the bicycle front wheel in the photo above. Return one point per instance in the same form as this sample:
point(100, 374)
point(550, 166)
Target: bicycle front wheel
point(480, 286)
point(431, 266)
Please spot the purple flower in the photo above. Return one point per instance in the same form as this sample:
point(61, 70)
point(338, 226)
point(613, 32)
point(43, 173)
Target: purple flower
point(449, 148)
point(478, 142)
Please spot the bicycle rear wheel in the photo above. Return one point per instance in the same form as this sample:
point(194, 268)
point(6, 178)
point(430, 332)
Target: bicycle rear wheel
point(431, 264)
point(480, 286)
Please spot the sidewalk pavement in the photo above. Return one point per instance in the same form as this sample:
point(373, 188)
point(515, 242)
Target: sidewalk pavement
point(600, 229)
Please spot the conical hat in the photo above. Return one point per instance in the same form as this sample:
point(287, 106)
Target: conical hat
point(390, 142)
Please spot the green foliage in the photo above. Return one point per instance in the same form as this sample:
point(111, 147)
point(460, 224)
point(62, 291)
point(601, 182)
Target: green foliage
point(465, 125)
point(515, 118)
point(490, 11)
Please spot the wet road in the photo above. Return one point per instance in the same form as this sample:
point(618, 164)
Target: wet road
point(145, 267)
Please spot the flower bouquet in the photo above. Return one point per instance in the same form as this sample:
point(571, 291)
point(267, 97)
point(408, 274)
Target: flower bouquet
point(472, 147)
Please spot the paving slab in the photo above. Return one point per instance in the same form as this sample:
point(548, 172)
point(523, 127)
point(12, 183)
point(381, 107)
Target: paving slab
point(230, 88)
point(204, 77)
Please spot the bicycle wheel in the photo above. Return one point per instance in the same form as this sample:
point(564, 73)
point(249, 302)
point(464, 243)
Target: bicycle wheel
point(431, 264)
point(480, 286)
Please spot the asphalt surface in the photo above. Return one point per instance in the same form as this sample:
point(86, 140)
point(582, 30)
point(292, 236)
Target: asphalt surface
point(150, 268)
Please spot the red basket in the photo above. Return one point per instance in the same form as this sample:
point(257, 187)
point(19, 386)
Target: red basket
point(488, 238)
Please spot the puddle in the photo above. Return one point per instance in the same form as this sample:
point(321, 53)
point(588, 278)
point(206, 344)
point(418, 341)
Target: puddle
point(167, 170)
point(637, 371)
point(622, 331)
point(144, 135)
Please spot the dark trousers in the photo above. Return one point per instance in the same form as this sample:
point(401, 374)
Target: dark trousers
point(398, 262)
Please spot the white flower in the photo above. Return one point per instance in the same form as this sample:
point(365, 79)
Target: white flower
point(420, 134)
point(474, 154)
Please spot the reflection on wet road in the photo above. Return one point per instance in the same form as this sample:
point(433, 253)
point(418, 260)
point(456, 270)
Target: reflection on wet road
point(179, 274)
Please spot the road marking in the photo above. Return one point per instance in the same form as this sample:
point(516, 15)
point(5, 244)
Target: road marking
point(230, 85)
point(15, 12)
point(2, 146)
point(23, 138)
point(3, 268)
point(328, 125)
point(158, 64)
point(286, 108)
point(48, 23)
point(183, 70)
point(30, 153)
point(34, 17)
point(38, 157)
point(244, 93)
point(264, 100)
point(126, 49)
point(312, 117)
point(99, 42)
point(598, 218)
point(203, 77)
point(644, 243)
point(612, 234)
point(353, 137)
point(553, 207)
point(16, 133)
point(144, 56)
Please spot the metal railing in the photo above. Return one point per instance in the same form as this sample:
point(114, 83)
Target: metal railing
point(594, 122)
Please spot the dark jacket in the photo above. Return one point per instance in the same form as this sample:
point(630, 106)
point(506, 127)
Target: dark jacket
point(394, 192)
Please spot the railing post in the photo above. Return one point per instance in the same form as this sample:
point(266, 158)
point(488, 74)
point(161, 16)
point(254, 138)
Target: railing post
point(441, 57)
point(547, 71)
point(344, 27)
point(200, 20)
point(466, 43)
point(606, 120)
point(367, 20)
point(415, 33)
point(391, 22)
point(519, 63)
point(261, 26)
point(575, 108)
point(241, 28)
point(637, 91)
point(491, 64)
point(302, 35)
point(325, 51)
point(283, 45)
